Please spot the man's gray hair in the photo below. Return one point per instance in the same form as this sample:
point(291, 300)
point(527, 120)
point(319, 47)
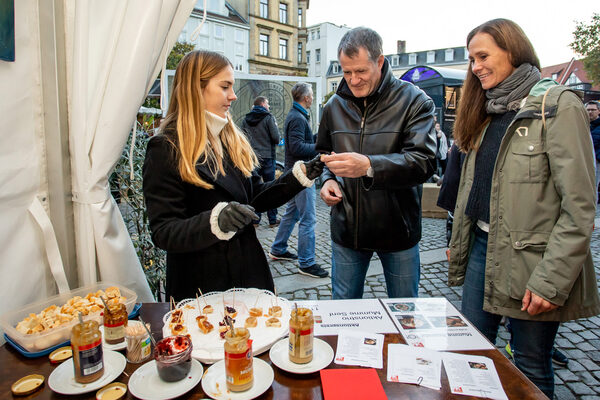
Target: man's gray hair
point(300, 90)
point(359, 37)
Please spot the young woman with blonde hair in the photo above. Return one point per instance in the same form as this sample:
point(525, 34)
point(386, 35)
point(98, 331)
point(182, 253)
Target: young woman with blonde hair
point(200, 189)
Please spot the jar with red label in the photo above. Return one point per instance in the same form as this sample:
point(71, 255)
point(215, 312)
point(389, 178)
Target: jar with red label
point(86, 342)
point(239, 374)
point(115, 321)
point(301, 335)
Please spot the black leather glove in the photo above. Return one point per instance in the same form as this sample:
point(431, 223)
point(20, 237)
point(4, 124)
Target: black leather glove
point(314, 167)
point(235, 216)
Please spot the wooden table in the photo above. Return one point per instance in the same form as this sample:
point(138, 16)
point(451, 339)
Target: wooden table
point(285, 386)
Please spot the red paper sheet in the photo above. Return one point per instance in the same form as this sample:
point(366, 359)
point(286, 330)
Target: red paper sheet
point(359, 383)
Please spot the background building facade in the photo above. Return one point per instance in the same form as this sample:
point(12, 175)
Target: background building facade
point(277, 43)
point(322, 43)
point(225, 31)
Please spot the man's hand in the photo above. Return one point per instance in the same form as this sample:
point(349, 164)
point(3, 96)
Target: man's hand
point(347, 165)
point(535, 304)
point(331, 193)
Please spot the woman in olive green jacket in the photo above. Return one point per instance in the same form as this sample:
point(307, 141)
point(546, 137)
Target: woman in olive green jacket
point(525, 208)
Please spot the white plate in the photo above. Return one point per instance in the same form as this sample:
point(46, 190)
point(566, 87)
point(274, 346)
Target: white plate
point(214, 384)
point(322, 357)
point(146, 384)
point(62, 379)
point(208, 348)
point(108, 346)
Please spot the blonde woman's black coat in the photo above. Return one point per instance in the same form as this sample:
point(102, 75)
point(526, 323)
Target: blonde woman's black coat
point(179, 215)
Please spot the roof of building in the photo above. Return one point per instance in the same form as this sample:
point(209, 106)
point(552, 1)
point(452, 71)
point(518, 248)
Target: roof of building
point(460, 56)
point(426, 75)
point(233, 15)
point(563, 72)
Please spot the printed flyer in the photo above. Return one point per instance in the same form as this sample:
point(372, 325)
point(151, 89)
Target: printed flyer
point(364, 315)
point(434, 323)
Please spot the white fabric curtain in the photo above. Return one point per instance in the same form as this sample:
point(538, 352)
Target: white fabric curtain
point(24, 268)
point(115, 49)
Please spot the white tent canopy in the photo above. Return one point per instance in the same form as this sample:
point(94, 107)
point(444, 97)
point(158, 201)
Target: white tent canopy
point(82, 69)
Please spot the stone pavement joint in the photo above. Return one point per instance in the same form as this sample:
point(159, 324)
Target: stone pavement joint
point(579, 340)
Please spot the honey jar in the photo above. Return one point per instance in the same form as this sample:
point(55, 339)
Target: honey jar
point(239, 374)
point(86, 342)
point(115, 321)
point(301, 335)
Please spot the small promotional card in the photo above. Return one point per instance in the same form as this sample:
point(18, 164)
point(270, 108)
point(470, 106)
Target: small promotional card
point(473, 376)
point(359, 348)
point(416, 365)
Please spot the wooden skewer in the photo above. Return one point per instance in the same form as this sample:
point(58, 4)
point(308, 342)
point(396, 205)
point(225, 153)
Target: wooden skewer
point(198, 304)
point(106, 310)
point(172, 304)
point(257, 296)
point(233, 298)
point(202, 295)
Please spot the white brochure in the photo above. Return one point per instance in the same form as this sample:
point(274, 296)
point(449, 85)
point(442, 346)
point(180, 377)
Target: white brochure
point(473, 376)
point(359, 348)
point(434, 323)
point(364, 314)
point(407, 364)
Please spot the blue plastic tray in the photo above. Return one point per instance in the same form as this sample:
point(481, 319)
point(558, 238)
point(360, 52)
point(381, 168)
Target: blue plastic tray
point(133, 314)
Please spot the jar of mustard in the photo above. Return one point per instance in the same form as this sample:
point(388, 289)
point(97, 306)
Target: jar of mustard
point(239, 373)
point(86, 342)
point(301, 335)
point(115, 321)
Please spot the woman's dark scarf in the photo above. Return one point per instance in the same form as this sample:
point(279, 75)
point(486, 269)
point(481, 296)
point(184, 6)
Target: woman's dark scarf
point(508, 94)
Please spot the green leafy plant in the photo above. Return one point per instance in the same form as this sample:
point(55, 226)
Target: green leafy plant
point(179, 50)
point(128, 193)
point(587, 44)
point(327, 97)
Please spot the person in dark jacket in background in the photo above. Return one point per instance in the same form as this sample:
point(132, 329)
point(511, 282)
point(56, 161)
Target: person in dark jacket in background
point(299, 145)
point(261, 128)
point(593, 109)
point(380, 133)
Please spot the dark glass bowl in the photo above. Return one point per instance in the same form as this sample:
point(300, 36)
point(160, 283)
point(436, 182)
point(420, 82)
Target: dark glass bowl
point(173, 356)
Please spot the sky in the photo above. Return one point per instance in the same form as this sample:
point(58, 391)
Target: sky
point(438, 24)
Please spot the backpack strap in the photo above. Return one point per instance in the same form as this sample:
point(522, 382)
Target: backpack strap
point(550, 101)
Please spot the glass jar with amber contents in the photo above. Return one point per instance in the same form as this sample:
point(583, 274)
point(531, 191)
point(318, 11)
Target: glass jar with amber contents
point(239, 373)
point(301, 335)
point(86, 342)
point(115, 321)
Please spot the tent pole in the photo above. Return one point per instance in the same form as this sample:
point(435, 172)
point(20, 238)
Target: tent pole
point(58, 201)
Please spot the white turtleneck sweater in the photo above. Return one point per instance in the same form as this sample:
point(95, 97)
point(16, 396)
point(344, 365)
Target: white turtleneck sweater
point(214, 125)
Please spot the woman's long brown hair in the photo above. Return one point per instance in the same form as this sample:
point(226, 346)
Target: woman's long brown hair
point(192, 142)
point(471, 116)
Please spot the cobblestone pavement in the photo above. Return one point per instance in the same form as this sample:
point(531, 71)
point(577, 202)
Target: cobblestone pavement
point(579, 340)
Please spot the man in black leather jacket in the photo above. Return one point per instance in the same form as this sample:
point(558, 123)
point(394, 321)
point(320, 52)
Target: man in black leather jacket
point(379, 131)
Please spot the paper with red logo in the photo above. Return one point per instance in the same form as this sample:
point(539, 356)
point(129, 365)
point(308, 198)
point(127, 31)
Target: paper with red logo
point(344, 384)
point(408, 364)
point(359, 348)
point(472, 375)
